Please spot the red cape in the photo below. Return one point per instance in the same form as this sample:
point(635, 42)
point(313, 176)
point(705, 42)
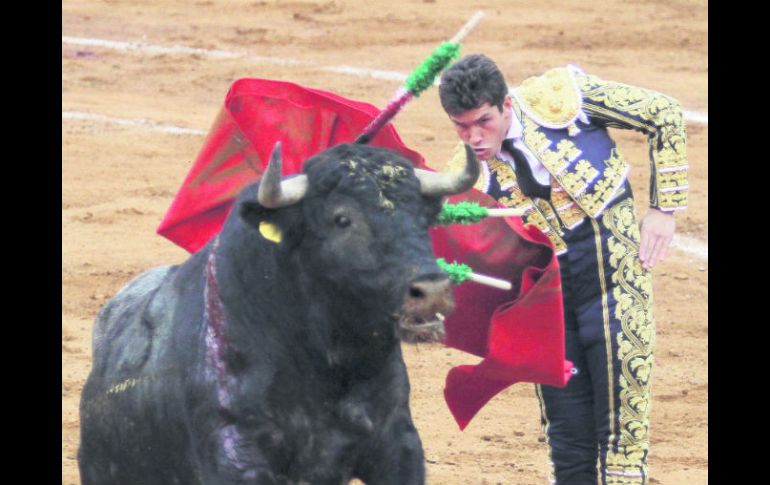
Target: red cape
point(257, 113)
point(519, 334)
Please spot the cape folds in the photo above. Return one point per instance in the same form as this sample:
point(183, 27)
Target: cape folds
point(256, 114)
point(519, 334)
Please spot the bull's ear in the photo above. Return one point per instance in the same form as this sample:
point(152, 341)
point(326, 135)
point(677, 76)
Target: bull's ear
point(272, 225)
point(261, 219)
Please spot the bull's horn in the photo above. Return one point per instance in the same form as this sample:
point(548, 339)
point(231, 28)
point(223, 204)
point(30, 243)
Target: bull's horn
point(438, 184)
point(275, 193)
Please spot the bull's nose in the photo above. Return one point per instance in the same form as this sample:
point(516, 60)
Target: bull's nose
point(428, 296)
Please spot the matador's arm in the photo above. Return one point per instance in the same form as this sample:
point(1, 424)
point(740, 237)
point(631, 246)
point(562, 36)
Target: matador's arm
point(659, 117)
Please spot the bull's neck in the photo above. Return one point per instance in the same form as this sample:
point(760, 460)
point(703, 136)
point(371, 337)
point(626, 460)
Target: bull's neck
point(267, 293)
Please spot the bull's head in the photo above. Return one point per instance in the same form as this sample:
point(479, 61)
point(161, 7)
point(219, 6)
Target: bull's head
point(366, 213)
point(275, 193)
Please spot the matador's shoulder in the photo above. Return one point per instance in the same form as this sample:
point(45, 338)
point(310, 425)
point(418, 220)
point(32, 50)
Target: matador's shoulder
point(552, 99)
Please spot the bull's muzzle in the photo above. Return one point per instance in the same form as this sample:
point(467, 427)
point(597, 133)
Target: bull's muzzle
point(428, 300)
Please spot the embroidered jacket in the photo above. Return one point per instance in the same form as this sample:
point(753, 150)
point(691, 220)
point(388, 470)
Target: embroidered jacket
point(565, 114)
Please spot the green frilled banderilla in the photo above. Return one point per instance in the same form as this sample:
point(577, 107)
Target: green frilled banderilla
point(471, 213)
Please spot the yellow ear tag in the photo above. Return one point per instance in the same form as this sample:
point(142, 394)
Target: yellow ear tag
point(270, 231)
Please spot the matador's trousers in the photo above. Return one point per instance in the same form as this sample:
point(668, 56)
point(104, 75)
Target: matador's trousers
point(602, 415)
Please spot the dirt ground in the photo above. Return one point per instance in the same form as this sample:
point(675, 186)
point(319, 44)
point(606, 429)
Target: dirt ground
point(118, 179)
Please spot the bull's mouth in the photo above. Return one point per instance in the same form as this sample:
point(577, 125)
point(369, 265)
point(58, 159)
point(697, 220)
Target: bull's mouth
point(413, 329)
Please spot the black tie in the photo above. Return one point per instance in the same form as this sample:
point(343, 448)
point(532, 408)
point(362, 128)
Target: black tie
point(527, 182)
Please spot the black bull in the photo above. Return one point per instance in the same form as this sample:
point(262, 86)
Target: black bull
point(272, 355)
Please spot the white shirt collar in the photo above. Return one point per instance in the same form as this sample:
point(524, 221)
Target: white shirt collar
point(516, 129)
point(514, 133)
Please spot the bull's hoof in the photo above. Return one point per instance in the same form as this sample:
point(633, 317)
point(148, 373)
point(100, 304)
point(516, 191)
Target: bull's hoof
point(421, 331)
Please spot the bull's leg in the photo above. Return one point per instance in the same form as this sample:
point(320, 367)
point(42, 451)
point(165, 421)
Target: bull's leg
point(247, 477)
point(398, 459)
point(227, 457)
point(92, 471)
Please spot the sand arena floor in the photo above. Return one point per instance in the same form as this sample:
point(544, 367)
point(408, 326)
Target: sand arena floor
point(119, 175)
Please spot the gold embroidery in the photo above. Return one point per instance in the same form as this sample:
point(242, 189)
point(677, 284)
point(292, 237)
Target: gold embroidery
point(536, 218)
point(653, 113)
point(575, 182)
point(534, 215)
point(566, 152)
point(533, 138)
point(569, 212)
point(555, 161)
point(577, 179)
point(606, 327)
point(505, 175)
point(552, 99)
point(633, 293)
point(671, 180)
point(547, 211)
point(673, 200)
point(594, 201)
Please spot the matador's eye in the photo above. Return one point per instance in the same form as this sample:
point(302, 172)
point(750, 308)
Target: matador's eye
point(342, 221)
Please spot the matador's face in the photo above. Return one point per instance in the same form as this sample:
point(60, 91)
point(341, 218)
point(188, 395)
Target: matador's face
point(484, 128)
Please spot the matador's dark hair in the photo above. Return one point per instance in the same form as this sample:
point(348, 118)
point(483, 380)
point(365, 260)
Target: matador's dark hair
point(470, 82)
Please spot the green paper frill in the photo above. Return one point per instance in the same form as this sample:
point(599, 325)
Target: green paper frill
point(457, 272)
point(422, 78)
point(462, 213)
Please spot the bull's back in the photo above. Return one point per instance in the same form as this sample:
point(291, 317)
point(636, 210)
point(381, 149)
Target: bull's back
point(130, 390)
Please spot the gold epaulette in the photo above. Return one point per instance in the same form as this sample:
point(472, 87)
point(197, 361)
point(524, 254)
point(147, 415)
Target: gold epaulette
point(552, 100)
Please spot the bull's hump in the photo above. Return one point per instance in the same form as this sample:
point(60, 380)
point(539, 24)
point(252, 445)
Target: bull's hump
point(130, 297)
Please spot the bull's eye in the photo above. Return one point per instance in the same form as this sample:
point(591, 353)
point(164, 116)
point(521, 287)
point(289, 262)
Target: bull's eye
point(342, 221)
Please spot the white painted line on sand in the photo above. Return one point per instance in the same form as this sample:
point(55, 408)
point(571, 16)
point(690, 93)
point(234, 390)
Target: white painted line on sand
point(145, 124)
point(366, 72)
point(692, 246)
point(695, 117)
point(150, 48)
point(691, 116)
